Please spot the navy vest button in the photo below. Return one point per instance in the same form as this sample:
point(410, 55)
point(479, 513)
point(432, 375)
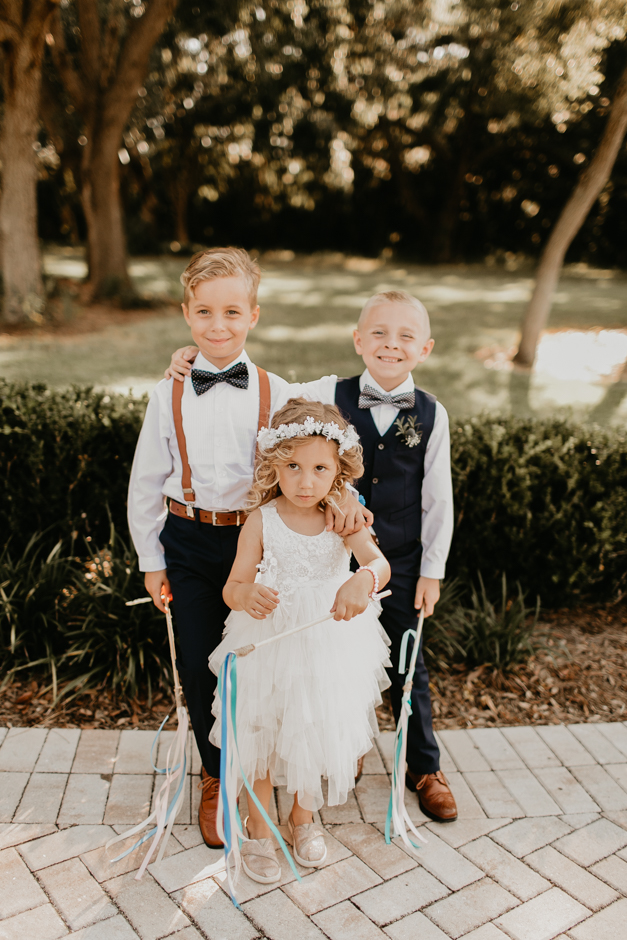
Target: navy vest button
point(381, 446)
point(375, 479)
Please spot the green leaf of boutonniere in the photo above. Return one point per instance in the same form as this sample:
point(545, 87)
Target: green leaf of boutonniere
point(407, 429)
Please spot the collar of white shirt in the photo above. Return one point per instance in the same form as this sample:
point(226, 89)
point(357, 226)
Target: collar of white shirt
point(366, 379)
point(206, 366)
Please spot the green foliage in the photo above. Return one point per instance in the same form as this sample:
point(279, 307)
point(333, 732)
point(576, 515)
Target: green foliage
point(105, 641)
point(33, 598)
point(542, 501)
point(499, 635)
point(65, 456)
point(66, 618)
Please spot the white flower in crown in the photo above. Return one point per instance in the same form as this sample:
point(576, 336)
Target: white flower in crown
point(348, 439)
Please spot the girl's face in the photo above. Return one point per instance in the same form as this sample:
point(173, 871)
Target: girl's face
point(307, 478)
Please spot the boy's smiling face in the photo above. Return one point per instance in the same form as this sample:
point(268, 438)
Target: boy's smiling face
point(219, 316)
point(392, 338)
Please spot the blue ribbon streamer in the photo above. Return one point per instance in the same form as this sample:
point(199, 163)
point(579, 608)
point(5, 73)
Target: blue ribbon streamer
point(229, 665)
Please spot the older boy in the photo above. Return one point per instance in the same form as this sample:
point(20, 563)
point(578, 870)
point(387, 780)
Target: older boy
point(191, 474)
point(407, 484)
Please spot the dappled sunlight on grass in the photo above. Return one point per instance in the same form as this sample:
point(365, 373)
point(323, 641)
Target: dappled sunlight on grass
point(591, 356)
point(309, 309)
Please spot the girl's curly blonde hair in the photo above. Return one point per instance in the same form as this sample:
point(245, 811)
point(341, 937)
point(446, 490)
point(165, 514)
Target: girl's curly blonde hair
point(266, 482)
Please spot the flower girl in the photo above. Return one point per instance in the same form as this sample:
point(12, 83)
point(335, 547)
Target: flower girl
point(306, 708)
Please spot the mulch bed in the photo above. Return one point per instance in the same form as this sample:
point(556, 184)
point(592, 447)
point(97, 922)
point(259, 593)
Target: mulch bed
point(580, 675)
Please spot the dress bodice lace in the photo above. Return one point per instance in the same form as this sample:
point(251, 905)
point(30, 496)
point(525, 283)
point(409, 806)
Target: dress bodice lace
point(291, 560)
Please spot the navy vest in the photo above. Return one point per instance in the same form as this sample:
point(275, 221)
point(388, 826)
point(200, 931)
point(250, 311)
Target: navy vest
point(393, 472)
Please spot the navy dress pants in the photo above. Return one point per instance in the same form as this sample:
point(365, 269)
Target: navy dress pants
point(198, 558)
point(398, 615)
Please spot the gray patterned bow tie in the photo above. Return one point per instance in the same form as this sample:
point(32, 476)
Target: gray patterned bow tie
point(369, 398)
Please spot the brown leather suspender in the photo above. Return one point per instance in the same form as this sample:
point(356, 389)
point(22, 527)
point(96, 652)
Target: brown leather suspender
point(177, 396)
point(186, 478)
point(264, 400)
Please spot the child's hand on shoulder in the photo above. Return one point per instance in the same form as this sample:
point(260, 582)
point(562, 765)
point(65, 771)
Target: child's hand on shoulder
point(257, 600)
point(352, 598)
point(181, 363)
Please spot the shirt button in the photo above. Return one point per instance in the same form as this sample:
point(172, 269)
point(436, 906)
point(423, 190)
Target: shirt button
point(375, 479)
point(381, 446)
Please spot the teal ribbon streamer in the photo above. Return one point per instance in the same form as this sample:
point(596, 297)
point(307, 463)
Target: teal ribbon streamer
point(400, 736)
point(402, 656)
point(230, 665)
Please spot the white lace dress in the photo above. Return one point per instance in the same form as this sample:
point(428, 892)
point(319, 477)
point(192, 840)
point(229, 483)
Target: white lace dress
point(306, 704)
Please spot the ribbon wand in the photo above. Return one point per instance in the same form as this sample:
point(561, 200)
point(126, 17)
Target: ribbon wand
point(166, 808)
point(397, 817)
point(245, 650)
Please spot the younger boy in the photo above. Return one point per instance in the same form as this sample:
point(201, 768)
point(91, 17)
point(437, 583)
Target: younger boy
point(191, 475)
point(407, 485)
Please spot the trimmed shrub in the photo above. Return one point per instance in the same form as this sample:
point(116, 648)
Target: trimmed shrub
point(542, 501)
point(65, 460)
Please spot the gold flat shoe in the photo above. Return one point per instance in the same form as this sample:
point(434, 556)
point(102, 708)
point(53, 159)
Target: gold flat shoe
point(308, 845)
point(259, 860)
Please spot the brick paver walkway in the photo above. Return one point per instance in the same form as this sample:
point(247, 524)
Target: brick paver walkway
point(539, 851)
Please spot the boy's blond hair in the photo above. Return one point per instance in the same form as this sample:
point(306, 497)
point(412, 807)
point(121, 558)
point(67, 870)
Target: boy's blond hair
point(396, 297)
point(221, 262)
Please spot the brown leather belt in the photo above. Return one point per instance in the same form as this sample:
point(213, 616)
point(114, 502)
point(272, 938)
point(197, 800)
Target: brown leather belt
point(212, 518)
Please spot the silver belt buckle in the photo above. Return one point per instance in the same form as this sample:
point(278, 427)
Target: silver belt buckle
point(214, 517)
point(189, 509)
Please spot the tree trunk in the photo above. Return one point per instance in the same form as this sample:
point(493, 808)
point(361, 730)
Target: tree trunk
point(23, 44)
point(103, 82)
point(572, 217)
point(102, 205)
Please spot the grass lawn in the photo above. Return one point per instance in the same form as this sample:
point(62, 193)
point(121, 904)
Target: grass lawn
point(309, 307)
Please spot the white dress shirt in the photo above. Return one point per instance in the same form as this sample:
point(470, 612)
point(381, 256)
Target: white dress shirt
point(220, 431)
point(437, 487)
point(221, 457)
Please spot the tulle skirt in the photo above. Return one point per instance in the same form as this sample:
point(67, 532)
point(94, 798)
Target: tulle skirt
point(306, 704)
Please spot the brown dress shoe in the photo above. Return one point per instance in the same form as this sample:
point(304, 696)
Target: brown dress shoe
point(360, 769)
point(434, 795)
point(208, 809)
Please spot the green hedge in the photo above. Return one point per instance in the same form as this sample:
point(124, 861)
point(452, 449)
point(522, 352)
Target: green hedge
point(542, 501)
point(65, 460)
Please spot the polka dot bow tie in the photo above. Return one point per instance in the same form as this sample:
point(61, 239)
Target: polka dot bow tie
point(370, 398)
point(237, 376)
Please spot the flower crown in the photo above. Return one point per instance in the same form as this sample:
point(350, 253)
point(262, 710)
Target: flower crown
point(348, 439)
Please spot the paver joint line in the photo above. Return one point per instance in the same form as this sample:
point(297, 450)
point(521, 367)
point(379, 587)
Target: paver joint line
point(539, 851)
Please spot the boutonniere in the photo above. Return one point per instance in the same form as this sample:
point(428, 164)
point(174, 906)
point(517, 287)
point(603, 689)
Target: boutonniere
point(407, 429)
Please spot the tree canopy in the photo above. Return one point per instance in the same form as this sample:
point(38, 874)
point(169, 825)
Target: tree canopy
point(444, 130)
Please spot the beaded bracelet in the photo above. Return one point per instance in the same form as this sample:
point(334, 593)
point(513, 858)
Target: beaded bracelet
point(374, 574)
